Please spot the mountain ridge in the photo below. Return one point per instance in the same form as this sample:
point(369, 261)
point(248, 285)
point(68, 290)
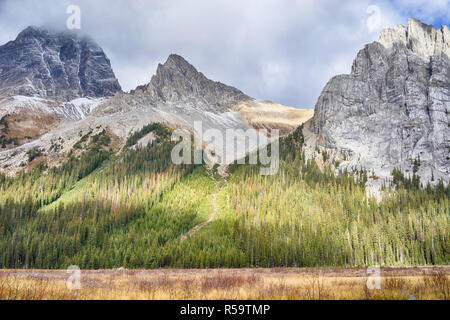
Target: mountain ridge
point(178, 96)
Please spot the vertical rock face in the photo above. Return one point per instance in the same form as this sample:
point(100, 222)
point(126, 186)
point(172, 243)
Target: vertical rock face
point(55, 65)
point(394, 106)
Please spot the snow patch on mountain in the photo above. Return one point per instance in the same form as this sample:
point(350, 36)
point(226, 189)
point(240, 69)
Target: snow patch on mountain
point(73, 110)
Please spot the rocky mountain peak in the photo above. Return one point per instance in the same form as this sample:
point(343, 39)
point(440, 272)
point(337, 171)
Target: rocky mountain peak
point(178, 81)
point(393, 109)
point(46, 63)
point(422, 39)
point(176, 64)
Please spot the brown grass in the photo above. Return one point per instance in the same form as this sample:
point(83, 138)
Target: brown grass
point(243, 284)
point(268, 115)
point(29, 124)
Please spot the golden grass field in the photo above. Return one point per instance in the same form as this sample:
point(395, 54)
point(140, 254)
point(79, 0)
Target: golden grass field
point(241, 284)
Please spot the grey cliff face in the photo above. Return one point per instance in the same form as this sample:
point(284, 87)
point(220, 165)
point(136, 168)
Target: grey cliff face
point(178, 81)
point(394, 106)
point(55, 65)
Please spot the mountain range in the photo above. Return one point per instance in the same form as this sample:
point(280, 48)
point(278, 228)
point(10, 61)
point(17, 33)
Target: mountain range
point(390, 112)
point(177, 95)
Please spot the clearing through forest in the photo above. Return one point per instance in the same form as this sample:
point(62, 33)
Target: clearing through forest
point(197, 228)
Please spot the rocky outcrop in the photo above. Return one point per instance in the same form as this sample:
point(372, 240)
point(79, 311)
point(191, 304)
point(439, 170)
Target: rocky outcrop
point(55, 65)
point(393, 108)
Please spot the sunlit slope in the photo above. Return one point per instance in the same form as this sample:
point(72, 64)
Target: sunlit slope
point(269, 115)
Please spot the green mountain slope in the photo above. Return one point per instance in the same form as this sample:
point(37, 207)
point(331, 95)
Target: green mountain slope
point(136, 209)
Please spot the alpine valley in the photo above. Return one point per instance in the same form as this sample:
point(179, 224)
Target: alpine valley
point(86, 176)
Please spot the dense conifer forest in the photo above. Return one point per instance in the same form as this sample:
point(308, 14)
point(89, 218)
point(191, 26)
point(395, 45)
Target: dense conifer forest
point(130, 209)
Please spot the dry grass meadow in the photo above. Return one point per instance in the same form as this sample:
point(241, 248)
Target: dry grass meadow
point(241, 284)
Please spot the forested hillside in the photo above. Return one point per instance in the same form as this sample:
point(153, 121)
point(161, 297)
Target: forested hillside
point(105, 210)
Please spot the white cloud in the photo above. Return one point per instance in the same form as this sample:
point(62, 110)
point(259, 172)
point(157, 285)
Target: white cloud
point(427, 10)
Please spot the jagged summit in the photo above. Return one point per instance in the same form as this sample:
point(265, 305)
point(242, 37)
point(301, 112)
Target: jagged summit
point(176, 64)
point(177, 80)
point(420, 38)
point(45, 63)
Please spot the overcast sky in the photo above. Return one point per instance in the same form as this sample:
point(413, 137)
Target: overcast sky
point(279, 50)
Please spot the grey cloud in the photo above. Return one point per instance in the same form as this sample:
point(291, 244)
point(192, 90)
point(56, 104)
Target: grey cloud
point(279, 50)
